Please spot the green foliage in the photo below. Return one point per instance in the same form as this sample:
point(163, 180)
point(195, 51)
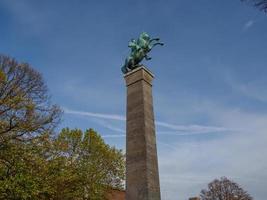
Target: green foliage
point(25, 108)
point(21, 171)
point(98, 165)
point(36, 166)
point(73, 165)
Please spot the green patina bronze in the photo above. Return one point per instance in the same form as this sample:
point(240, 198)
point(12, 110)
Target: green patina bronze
point(139, 50)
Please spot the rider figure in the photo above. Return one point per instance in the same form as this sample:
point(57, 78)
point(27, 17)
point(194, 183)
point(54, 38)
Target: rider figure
point(139, 50)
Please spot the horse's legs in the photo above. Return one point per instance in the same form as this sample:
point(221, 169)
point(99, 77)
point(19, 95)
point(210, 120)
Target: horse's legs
point(131, 64)
point(157, 43)
point(127, 64)
point(124, 67)
point(151, 46)
point(154, 39)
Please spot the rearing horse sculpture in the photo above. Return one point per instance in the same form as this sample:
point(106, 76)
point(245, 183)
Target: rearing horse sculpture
point(139, 50)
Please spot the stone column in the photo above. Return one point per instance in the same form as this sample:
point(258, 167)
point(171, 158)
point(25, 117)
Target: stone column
point(142, 176)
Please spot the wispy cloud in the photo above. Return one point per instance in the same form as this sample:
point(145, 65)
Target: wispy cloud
point(185, 133)
point(193, 128)
point(254, 89)
point(109, 126)
point(248, 24)
point(202, 161)
point(97, 115)
point(179, 129)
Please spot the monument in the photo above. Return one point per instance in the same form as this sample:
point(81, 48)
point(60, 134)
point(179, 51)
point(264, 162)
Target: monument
point(142, 176)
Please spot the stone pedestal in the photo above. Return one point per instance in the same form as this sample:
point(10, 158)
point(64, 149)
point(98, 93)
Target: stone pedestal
point(142, 176)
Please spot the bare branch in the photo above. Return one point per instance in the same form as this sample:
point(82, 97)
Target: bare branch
point(261, 4)
point(25, 106)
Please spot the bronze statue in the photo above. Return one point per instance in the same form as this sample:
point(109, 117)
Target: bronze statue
point(139, 50)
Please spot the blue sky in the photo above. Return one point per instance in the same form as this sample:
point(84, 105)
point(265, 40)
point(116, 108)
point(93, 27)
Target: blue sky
point(210, 95)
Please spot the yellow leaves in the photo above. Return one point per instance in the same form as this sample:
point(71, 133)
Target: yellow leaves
point(24, 103)
point(3, 77)
point(70, 166)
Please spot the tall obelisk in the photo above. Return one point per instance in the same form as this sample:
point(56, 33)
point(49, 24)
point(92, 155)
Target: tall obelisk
point(142, 176)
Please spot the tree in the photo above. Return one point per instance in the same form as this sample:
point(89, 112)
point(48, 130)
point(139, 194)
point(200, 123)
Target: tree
point(261, 4)
point(97, 166)
point(24, 171)
point(37, 164)
point(25, 109)
point(73, 165)
point(224, 189)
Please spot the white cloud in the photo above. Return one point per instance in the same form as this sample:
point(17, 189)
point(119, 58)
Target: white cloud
point(189, 167)
point(109, 126)
point(192, 128)
point(97, 115)
point(253, 89)
point(248, 24)
point(179, 129)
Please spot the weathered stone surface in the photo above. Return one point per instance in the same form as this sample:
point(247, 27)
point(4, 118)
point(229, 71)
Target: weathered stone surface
point(142, 177)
